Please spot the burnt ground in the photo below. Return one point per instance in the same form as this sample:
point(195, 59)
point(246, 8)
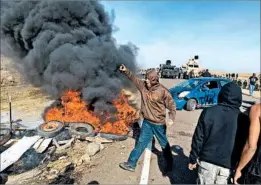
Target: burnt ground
point(105, 170)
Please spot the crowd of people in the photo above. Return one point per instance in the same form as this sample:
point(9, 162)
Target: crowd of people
point(252, 84)
point(226, 143)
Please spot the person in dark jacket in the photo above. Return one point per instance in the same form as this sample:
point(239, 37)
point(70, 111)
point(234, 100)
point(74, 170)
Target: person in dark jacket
point(214, 137)
point(245, 84)
point(239, 83)
point(252, 82)
point(206, 73)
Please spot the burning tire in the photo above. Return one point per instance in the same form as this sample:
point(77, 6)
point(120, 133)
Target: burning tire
point(114, 136)
point(50, 129)
point(82, 129)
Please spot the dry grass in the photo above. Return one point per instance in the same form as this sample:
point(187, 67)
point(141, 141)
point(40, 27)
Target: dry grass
point(24, 98)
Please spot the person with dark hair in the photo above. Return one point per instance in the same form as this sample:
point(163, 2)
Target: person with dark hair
point(251, 155)
point(191, 74)
point(206, 73)
point(252, 82)
point(239, 83)
point(245, 84)
point(185, 75)
point(229, 75)
point(215, 135)
point(155, 99)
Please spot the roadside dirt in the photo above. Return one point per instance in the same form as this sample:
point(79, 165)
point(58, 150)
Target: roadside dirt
point(24, 98)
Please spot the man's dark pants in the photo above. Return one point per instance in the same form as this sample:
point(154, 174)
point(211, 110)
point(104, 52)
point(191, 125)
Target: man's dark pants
point(252, 179)
point(148, 130)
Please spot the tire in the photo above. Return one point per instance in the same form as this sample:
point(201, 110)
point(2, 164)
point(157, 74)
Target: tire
point(82, 129)
point(52, 132)
point(114, 136)
point(191, 105)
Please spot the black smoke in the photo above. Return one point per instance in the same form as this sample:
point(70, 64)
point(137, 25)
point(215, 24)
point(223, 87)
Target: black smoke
point(60, 45)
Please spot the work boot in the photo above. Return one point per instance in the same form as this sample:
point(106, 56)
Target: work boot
point(127, 167)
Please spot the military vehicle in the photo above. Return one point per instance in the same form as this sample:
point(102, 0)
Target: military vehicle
point(168, 71)
point(192, 64)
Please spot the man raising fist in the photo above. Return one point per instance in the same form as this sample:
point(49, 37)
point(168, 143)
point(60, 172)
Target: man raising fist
point(155, 99)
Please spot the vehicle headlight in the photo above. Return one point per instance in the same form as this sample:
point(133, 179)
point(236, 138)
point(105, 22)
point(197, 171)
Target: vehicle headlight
point(183, 94)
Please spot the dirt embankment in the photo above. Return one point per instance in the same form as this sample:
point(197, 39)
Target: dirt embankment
point(24, 97)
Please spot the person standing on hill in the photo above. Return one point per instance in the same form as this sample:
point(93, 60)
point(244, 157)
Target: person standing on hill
point(155, 99)
point(252, 83)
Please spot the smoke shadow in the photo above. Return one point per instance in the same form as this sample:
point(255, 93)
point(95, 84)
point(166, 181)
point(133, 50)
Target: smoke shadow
point(180, 173)
point(93, 182)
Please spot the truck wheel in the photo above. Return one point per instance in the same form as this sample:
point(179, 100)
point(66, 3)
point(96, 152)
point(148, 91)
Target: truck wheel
point(191, 105)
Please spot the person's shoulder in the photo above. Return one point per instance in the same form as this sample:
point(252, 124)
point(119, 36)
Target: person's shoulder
point(211, 110)
point(162, 87)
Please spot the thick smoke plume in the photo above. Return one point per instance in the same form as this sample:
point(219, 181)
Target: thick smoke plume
point(64, 45)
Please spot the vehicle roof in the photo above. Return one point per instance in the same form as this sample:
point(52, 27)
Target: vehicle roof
point(210, 78)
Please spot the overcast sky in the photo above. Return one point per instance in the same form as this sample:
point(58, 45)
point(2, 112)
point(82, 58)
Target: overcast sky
point(225, 35)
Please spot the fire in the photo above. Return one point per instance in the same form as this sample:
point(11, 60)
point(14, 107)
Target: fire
point(75, 110)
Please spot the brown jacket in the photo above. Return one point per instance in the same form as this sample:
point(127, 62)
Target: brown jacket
point(154, 101)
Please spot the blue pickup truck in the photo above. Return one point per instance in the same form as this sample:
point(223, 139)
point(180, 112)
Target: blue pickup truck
point(197, 92)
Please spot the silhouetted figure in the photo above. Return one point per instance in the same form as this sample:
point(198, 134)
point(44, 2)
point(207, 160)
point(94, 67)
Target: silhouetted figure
point(206, 73)
point(245, 84)
point(239, 83)
point(252, 83)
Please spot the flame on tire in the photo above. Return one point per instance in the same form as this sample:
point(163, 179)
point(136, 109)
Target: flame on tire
point(74, 109)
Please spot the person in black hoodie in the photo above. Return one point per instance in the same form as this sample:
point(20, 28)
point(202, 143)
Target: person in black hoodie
point(214, 137)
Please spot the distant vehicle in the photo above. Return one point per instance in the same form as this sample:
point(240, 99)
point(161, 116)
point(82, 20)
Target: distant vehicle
point(192, 64)
point(168, 71)
point(197, 92)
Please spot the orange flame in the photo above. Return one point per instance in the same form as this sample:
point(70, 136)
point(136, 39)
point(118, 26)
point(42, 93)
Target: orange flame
point(74, 109)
